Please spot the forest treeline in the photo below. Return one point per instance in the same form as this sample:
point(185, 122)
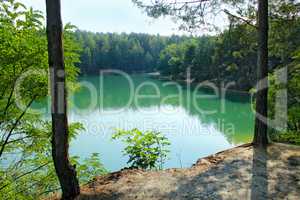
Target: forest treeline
point(227, 56)
point(135, 52)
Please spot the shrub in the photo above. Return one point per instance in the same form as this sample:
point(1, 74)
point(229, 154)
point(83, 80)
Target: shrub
point(89, 168)
point(146, 150)
point(290, 137)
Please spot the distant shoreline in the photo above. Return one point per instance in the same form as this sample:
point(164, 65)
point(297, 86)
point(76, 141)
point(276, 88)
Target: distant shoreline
point(158, 76)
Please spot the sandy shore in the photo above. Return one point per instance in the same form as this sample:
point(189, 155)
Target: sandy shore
point(240, 173)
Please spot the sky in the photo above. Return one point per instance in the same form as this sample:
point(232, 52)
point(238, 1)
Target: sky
point(109, 16)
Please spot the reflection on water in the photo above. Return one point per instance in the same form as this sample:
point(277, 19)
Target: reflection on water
point(174, 110)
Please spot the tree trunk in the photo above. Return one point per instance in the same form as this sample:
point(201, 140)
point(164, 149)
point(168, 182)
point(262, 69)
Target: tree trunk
point(261, 126)
point(65, 172)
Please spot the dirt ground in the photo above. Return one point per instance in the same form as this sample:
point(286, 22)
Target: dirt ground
point(240, 173)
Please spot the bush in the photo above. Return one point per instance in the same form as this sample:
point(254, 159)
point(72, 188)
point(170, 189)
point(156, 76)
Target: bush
point(289, 137)
point(89, 168)
point(146, 150)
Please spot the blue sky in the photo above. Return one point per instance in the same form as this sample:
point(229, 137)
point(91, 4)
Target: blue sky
point(109, 16)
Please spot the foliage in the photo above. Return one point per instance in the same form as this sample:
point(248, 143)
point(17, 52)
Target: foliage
point(284, 49)
point(289, 137)
point(174, 59)
point(33, 176)
point(89, 168)
point(26, 168)
point(229, 56)
point(146, 150)
point(191, 14)
point(234, 54)
point(129, 52)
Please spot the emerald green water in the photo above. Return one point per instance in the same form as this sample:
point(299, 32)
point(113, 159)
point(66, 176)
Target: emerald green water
point(193, 134)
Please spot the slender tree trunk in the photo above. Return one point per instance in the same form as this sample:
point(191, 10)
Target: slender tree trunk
point(65, 172)
point(261, 127)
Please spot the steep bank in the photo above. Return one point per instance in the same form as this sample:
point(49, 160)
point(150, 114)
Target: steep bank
point(240, 173)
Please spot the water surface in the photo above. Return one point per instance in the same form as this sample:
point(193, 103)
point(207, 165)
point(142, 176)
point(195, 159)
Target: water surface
point(171, 109)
